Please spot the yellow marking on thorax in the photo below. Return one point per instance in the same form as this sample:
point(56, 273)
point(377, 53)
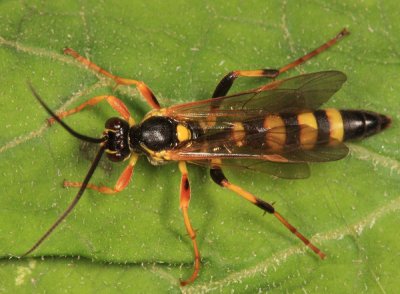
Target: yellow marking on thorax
point(238, 133)
point(336, 128)
point(158, 156)
point(155, 112)
point(275, 140)
point(183, 133)
point(308, 130)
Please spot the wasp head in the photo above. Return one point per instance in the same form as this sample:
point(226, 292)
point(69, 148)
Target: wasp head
point(117, 144)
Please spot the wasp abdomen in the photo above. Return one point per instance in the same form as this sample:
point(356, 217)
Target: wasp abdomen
point(309, 129)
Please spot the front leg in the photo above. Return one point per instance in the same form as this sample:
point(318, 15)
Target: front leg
point(141, 86)
point(113, 101)
point(121, 184)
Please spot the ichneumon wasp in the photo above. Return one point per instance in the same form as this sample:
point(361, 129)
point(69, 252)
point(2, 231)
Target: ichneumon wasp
point(277, 128)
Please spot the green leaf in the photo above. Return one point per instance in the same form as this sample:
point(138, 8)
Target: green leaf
point(136, 240)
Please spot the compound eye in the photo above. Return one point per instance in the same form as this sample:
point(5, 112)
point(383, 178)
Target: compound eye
point(115, 123)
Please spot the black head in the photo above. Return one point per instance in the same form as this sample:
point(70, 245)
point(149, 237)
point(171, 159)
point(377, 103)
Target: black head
point(117, 145)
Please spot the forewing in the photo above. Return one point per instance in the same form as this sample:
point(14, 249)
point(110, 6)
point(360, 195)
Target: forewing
point(299, 93)
point(303, 92)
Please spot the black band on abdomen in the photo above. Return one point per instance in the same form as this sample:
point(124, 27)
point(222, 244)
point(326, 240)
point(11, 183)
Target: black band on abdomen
point(323, 126)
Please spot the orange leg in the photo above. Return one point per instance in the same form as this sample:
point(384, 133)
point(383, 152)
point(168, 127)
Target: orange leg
point(184, 205)
point(218, 177)
point(315, 52)
point(142, 87)
point(114, 102)
point(227, 81)
point(121, 184)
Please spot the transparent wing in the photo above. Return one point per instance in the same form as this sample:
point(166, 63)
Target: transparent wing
point(280, 170)
point(299, 93)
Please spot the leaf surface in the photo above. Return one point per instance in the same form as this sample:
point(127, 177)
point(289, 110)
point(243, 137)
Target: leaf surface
point(136, 240)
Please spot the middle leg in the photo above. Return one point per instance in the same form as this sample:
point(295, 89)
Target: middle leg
point(121, 184)
point(184, 205)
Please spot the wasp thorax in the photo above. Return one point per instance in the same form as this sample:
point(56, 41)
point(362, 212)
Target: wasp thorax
point(117, 131)
point(155, 133)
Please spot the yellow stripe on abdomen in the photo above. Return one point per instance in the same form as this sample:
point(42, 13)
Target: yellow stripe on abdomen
point(336, 130)
point(275, 139)
point(308, 130)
